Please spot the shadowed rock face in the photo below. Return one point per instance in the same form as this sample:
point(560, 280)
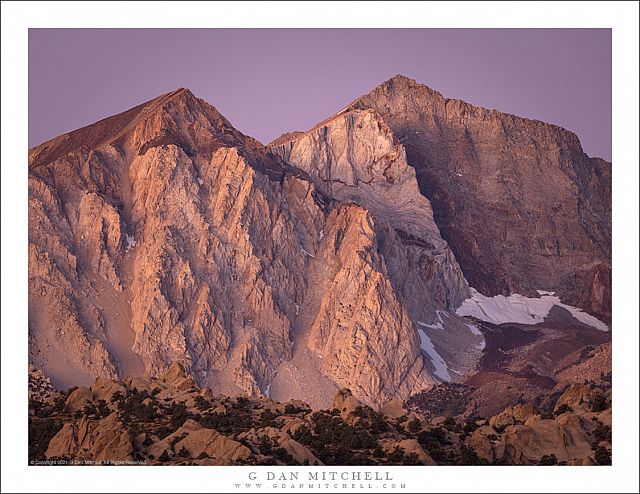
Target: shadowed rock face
point(165, 235)
point(520, 204)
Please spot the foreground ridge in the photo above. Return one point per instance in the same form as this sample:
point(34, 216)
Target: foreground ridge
point(169, 421)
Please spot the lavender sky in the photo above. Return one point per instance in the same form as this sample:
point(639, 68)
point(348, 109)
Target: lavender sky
point(270, 81)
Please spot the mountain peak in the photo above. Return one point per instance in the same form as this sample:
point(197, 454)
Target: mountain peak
point(401, 85)
point(401, 79)
point(170, 114)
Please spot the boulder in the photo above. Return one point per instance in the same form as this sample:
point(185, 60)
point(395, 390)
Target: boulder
point(409, 446)
point(576, 397)
point(481, 444)
point(522, 444)
point(345, 402)
point(104, 389)
point(78, 398)
point(393, 409)
point(512, 415)
point(176, 377)
point(221, 449)
point(292, 424)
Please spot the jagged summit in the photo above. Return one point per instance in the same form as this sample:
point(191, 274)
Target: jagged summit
point(401, 82)
point(416, 96)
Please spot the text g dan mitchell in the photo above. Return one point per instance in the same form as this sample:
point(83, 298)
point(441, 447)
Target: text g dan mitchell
point(321, 476)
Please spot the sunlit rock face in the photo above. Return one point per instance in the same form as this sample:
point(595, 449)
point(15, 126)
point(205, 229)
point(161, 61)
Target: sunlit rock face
point(165, 235)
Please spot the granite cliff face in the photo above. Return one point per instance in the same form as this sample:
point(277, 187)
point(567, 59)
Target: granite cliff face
point(165, 235)
point(334, 258)
point(355, 157)
point(522, 207)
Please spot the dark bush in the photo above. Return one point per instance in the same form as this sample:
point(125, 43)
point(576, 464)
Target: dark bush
point(548, 460)
point(414, 426)
point(468, 456)
point(598, 402)
point(602, 433)
point(602, 456)
point(564, 408)
point(202, 403)
point(41, 431)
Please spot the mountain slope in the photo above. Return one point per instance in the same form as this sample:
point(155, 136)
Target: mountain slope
point(163, 234)
point(519, 203)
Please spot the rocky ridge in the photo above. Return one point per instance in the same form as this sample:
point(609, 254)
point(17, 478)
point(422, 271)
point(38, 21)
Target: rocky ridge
point(168, 421)
point(521, 206)
point(163, 234)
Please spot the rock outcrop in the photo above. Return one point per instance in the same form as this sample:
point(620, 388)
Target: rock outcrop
point(103, 440)
point(199, 442)
point(525, 444)
point(153, 422)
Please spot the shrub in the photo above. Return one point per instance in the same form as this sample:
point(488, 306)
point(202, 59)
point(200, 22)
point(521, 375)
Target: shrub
point(468, 456)
point(117, 396)
point(564, 408)
point(598, 402)
point(378, 452)
point(414, 426)
point(202, 403)
point(291, 409)
point(449, 423)
point(396, 456)
point(41, 431)
point(267, 418)
point(548, 460)
point(602, 456)
point(242, 401)
point(602, 433)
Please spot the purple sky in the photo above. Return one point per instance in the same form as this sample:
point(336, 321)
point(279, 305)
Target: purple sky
point(270, 81)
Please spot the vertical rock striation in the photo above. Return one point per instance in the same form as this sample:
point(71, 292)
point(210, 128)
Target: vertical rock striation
point(164, 235)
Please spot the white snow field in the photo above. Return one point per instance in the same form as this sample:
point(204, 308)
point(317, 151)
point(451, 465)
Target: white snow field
point(441, 369)
point(517, 308)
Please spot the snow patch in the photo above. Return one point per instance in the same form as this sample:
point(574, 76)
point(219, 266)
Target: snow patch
point(266, 391)
point(131, 242)
point(474, 329)
point(306, 253)
point(438, 362)
point(517, 308)
point(321, 234)
point(297, 309)
point(544, 292)
point(200, 181)
point(437, 325)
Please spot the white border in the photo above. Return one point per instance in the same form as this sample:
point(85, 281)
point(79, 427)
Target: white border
point(621, 16)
